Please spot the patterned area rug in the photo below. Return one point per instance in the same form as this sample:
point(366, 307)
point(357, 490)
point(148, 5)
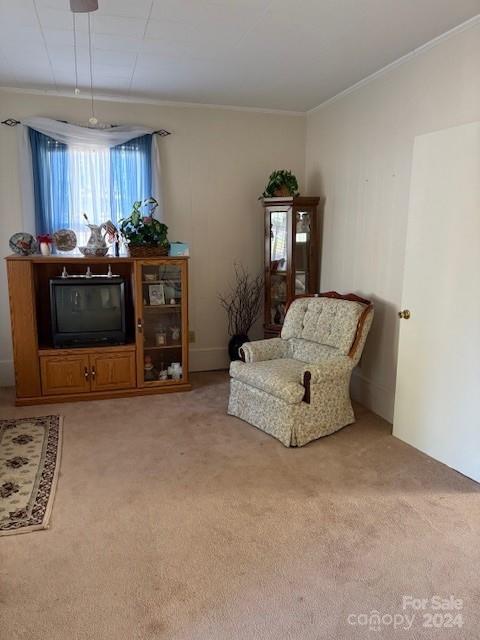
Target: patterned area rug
point(29, 462)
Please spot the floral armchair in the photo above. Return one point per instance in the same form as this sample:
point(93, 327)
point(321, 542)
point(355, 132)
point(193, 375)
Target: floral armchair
point(297, 387)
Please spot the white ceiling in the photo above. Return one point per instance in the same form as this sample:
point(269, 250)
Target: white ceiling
point(275, 54)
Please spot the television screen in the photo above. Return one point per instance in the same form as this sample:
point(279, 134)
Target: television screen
point(87, 311)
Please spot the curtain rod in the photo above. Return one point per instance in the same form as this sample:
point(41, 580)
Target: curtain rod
point(12, 122)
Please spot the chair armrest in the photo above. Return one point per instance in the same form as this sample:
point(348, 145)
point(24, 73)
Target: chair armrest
point(260, 350)
point(330, 369)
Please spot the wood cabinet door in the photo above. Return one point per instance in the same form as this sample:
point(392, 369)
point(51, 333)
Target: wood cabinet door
point(162, 321)
point(65, 374)
point(110, 371)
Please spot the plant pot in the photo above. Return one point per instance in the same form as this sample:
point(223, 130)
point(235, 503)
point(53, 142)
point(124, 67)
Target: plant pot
point(234, 345)
point(147, 250)
point(282, 192)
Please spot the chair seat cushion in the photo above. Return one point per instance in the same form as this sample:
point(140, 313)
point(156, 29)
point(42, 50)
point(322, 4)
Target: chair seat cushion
point(281, 378)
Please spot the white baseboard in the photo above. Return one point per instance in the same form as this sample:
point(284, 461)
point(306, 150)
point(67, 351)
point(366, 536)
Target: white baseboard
point(372, 395)
point(209, 359)
point(7, 375)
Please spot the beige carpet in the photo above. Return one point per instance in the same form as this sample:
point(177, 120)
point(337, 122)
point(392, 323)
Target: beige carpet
point(174, 521)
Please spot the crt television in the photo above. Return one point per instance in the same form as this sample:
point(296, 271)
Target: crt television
point(87, 311)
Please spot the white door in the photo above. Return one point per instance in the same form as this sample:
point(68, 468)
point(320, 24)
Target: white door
point(437, 402)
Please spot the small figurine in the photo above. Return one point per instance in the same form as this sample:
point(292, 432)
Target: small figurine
point(163, 375)
point(149, 371)
point(175, 371)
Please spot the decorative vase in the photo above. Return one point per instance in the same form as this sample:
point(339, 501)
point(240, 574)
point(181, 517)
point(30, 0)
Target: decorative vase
point(96, 245)
point(45, 248)
point(234, 345)
point(96, 240)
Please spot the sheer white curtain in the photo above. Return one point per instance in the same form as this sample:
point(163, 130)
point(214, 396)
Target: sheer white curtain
point(81, 141)
point(89, 177)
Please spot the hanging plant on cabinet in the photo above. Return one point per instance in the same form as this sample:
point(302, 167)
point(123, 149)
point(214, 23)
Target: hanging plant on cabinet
point(281, 183)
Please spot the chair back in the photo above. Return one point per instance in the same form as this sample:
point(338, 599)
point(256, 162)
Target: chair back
point(334, 321)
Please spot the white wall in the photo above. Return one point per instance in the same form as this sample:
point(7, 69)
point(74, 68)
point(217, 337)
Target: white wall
point(358, 156)
point(214, 167)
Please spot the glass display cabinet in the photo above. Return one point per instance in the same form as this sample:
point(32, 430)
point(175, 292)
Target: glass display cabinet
point(162, 323)
point(291, 255)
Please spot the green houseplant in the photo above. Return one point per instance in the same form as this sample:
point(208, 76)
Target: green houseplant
point(145, 235)
point(281, 183)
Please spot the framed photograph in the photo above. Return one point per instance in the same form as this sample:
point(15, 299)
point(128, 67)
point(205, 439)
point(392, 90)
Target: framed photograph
point(156, 293)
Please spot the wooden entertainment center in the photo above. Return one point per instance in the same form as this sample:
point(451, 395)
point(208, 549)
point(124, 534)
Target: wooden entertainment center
point(154, 357)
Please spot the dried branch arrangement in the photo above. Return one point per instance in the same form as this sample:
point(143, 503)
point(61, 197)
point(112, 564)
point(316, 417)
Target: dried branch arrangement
point(243, 302)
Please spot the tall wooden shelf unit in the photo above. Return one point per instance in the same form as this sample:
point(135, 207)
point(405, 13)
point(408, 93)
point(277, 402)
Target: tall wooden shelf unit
point(45, 374)
point(291, 255)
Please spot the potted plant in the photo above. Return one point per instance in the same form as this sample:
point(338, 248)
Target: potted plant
point(243, 303)
point(145, 235)
point(281, 183)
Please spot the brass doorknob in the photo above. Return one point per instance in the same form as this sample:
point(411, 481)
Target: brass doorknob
point(405, 314)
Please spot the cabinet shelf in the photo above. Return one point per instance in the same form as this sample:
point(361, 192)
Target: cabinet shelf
point(169, 382)
point(162, 281)
point(44, 350)
point(163, 346)
point(162, 306)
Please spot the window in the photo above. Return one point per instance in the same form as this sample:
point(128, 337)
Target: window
point(103, 182)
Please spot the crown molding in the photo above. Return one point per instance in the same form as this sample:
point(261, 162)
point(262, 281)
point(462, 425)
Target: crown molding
point(468, 24)
point(67, 93)
point(64, 93)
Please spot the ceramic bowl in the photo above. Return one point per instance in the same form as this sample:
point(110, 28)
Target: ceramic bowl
point(98, 252)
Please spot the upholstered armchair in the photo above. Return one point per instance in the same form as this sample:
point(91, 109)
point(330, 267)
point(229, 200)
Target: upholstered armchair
point(297, 387)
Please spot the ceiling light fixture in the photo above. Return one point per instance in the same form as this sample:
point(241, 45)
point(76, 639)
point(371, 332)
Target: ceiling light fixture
point(85, 6)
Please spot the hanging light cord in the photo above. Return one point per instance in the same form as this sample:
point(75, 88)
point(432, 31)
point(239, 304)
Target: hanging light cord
point(77, 90)
point(92, 119)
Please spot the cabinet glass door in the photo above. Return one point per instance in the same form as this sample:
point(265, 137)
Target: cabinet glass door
point(302, 239)
point(278, 265)
point(161, 324)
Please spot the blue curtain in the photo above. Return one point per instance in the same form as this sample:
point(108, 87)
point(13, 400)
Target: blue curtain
point(50, 182)
point(104, 183)
point(130, 175)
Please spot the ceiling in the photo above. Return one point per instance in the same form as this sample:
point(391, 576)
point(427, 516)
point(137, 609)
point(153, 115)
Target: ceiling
point(274, 54)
